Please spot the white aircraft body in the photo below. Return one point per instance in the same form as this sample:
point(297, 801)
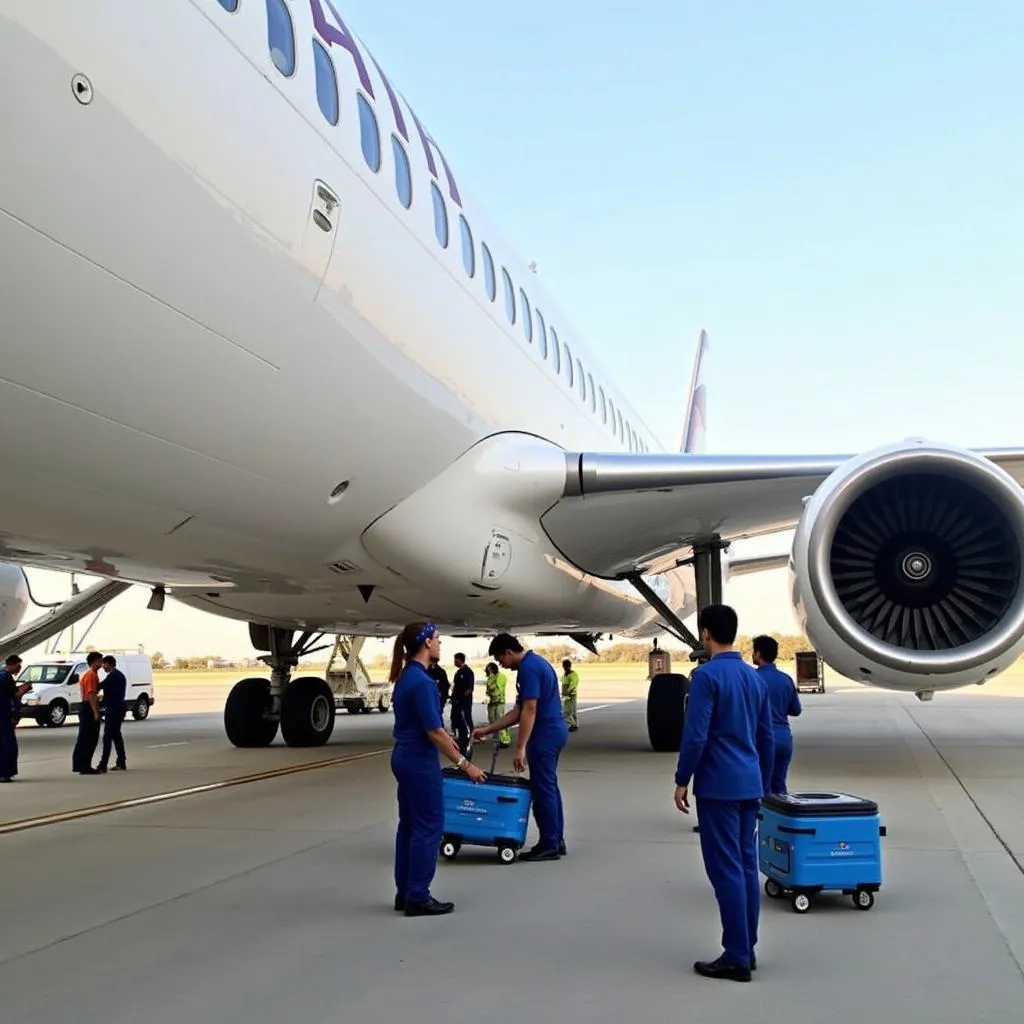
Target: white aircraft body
point(262, 348)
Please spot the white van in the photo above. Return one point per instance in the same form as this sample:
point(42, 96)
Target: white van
point(55, 694)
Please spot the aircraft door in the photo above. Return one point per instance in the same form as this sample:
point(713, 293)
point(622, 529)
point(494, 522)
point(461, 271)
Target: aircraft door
point(321, 231)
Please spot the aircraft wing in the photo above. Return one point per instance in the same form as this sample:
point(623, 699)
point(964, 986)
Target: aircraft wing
point(621, 513)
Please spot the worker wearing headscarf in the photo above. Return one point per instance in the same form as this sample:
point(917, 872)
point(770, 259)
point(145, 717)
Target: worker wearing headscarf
point(419, 734)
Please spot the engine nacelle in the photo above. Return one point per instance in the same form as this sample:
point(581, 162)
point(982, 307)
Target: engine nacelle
point(907, 568)
point(13, 597)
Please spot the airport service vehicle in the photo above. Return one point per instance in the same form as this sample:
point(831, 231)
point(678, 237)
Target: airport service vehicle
point(350, 682)
point(55, 693)
point(255, 210)
point(809, 672)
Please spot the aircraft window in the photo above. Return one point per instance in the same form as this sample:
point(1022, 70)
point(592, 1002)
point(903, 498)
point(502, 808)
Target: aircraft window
point(556, 351)
point(510, 296)
point(568, 364)
point(281, 37)
point(403, 176)
point(468, 252)
point(542, 335)
point(440, 216)
point(524, 305)
point(604, 405)
point(593, 393)
point(618, 416)
point(229, 5)
point(326, 83)
point(611, 414)
point(489, 281)
point(369, 134)
point(582, 380)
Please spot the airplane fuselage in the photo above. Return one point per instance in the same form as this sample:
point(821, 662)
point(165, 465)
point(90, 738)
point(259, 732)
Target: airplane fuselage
point(239, 359)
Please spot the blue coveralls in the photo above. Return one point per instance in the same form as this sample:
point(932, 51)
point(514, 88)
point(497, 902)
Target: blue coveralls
point(785, 702)
point(416, 767)
point(727, 748)
point(537, 680)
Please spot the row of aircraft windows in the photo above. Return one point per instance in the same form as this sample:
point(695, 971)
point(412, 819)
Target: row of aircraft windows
point(281, 43)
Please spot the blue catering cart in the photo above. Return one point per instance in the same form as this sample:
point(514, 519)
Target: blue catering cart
point(815, 842)
point(494, 813)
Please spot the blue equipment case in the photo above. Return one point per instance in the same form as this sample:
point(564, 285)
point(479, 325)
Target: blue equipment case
point(815, 842)
point(492, 813)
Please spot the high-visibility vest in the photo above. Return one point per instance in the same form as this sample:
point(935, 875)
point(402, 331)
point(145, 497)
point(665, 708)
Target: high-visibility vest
point(496, 689)
point(570, 684)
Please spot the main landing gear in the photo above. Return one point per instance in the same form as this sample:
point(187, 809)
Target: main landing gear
point(668, 692)
point(302, 708)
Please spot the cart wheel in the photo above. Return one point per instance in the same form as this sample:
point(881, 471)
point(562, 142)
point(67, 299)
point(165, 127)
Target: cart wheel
point(801, 903)
point(506, 854)
point(772, 889)
point(863, 900)
point(450, 848)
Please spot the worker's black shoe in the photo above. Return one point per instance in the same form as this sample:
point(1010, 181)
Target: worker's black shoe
point(431, 908)
point(753, 961)
point(722, 970)
point(540, 853)
point(562, 851)
point(399, 902)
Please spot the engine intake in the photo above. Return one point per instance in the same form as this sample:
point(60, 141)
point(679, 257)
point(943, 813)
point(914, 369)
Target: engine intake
point(925, 562)
point(909, 563)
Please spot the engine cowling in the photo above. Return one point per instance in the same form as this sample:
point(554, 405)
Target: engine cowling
point(907, 568)
point(13, 597)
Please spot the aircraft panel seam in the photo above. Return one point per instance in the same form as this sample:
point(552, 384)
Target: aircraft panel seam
point(142, 291)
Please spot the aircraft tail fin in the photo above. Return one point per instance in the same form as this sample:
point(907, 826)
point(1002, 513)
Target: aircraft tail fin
point(695, 421)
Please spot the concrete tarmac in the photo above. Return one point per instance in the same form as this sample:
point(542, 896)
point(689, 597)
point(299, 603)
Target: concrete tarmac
point(271, 901)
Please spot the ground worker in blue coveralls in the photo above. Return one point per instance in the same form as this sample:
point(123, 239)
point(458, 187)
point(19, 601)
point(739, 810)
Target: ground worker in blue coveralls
point(542, 735)
point(785, 704)
point(727, 749)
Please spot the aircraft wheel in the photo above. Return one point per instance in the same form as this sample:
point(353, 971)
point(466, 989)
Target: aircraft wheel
point(247, 718)
point(666, 709)
point(307, 713)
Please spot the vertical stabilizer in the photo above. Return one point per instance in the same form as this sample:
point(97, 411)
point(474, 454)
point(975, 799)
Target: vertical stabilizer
point(695, 419)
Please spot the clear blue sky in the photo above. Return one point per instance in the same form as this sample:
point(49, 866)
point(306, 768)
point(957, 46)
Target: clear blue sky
point(834, 191)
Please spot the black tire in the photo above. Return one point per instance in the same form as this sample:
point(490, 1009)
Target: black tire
point(507, 854)
point(450, 847)
point(307, 713)
point(56, 714)
point(246, 714)
point(666, 710)
point(772, 889)
point(801, 902)
point(141, 710)
point(863, 900)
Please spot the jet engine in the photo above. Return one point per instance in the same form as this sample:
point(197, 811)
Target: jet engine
point(907, 568)
point(13, 597)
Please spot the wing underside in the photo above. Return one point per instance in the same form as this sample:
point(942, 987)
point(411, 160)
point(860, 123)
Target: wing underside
point(623, 513)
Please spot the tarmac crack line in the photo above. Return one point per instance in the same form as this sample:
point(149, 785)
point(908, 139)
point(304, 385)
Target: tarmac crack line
point(208, 787)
